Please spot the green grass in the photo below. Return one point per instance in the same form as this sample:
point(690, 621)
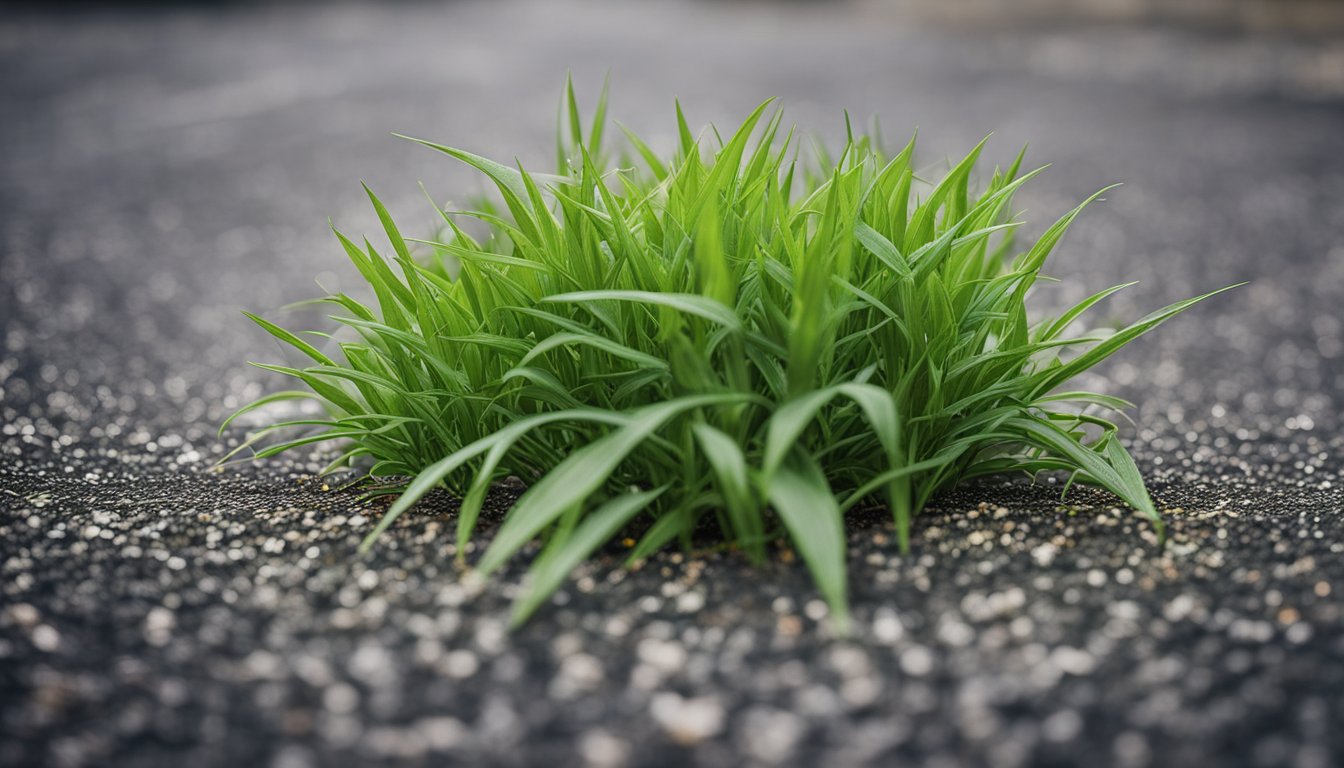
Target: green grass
point(726, 340)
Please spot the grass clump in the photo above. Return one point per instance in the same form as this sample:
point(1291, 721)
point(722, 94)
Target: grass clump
point(724, 339)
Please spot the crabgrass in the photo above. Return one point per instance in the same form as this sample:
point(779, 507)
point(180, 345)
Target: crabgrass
point(726, 338)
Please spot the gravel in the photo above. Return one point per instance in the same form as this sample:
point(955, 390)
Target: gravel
point(161, 169)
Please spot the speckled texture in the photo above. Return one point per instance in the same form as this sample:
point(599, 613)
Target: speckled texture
point(161, 170)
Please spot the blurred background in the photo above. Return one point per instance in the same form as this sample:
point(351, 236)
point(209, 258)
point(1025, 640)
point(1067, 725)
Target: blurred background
point(165, 164)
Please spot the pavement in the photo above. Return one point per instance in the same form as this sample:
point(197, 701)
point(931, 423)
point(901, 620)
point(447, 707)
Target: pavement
point(163, 167)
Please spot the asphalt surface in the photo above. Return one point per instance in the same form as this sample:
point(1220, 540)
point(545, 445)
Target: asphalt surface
point(163, 168)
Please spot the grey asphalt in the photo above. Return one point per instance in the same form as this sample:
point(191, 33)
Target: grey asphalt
point(163, 167)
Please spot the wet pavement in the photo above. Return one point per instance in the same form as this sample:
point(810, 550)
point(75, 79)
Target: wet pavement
point(161, 169)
